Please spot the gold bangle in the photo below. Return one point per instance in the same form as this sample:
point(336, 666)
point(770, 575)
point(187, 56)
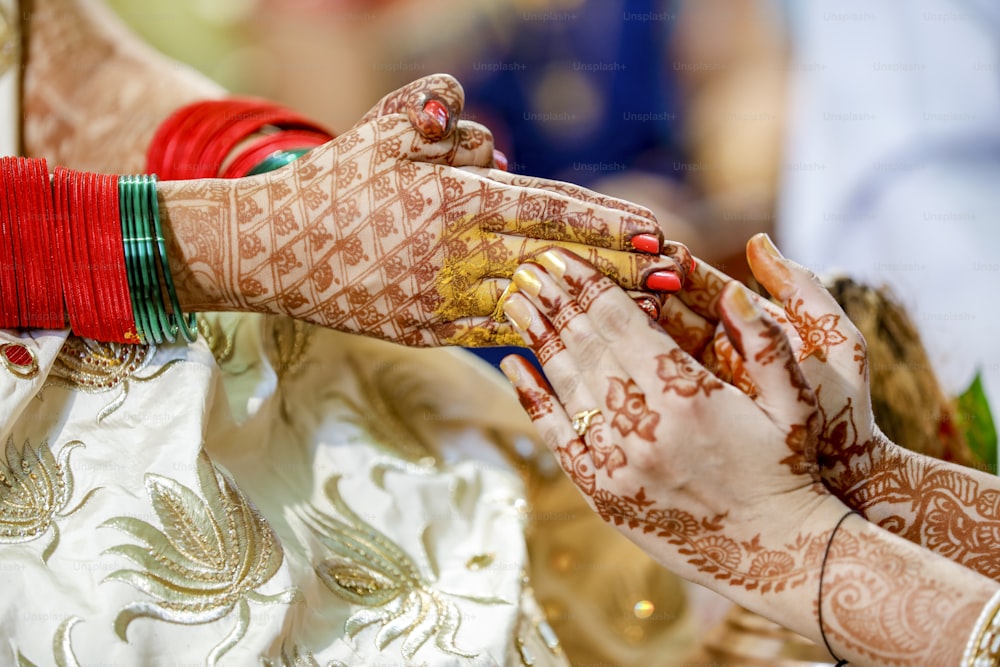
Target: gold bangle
point(983, 649)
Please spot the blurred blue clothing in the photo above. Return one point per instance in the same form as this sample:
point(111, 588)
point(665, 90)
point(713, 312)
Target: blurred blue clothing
point(579, 94)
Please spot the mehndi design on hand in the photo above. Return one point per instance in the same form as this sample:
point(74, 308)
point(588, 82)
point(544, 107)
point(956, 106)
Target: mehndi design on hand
point(378, 233)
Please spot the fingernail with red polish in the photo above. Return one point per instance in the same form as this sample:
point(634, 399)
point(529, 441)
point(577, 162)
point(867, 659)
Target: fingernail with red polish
point(438, 111)
point(663, 281)
point(499, 160)
point(646, 243)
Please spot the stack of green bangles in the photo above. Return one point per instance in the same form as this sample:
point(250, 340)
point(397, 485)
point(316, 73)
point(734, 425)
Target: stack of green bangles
point(149, 280)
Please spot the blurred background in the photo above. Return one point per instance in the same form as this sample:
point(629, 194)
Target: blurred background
point(676, 105)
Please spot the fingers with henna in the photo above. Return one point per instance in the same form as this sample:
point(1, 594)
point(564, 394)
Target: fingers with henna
point(541, 403)
point(598, 322)
point(633, 271)
point(781, 389)
point(544, 333)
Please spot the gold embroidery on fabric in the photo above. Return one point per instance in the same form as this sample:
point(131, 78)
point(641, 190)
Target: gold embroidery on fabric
point(220, 342)
point(390, 404)
point(62, 648)
point(368, 569)
point(208, 560)
point(297, 658)
point(94, 367)
point(35, 488)
point(289, 342)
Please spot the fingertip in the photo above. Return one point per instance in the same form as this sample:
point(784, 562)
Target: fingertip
point(500, 160)
point(510, 366)
point(433, 118)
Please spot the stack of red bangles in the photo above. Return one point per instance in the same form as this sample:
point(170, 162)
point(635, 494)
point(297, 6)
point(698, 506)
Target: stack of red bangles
point(230, 138)
point(87, 247)
point(90, 248)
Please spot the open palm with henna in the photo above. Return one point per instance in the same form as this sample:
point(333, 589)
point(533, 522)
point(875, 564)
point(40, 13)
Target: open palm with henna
point(949, 509)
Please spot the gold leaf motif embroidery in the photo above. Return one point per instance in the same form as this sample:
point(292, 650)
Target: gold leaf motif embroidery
point(221, 343)
point(209, 559)
point(62, 647)
point(389, 401)
point(288, 344)
point(94, 367)
point(35, 488)
point(368, 569)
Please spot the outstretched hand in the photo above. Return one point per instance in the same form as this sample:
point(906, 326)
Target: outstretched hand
point(378, 233)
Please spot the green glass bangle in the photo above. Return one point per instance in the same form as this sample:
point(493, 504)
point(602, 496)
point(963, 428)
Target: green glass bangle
point(277, 161)
point(188, 326)
point(131, 257)
point(163, 329)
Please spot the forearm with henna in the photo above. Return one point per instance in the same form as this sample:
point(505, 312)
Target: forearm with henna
point(887, 601)
point(949, 509)
point(94, 94)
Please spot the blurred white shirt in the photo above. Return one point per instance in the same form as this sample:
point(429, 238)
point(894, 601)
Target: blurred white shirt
point(892, 167)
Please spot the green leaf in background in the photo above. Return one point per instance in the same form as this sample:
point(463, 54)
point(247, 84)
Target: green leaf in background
point(976, 424)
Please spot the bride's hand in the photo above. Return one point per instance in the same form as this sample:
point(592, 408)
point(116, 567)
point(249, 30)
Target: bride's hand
point(718, 486)
point(375, 233)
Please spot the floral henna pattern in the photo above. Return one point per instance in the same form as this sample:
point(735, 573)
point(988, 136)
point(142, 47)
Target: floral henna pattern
point(606, 455)
point(777, 348)
point(702, 541)
point(818, 334)
point(682, 374)
point(576, 461)
point(631, 414)
point(935, 504)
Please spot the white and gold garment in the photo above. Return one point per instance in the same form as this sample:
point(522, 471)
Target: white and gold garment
point(328, 500)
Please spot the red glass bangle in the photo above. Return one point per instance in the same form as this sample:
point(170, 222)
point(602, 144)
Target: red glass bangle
point(26, 189)
point(196, 139)
point(20, 240)
point(54, 316)
point(97, 251)
point(90, 248)
point(64, 248)
point(10, 312)
point(125, 330)
point(260, 150)
point(81, 233)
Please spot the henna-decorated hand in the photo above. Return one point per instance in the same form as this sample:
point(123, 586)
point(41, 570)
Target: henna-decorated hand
point(951, 510)
point(719, 487)
point(374, 233)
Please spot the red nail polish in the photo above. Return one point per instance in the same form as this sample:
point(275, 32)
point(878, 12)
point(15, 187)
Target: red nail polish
point(646, 243)
point(499, 160)
point(438, 111)
point(663, 281)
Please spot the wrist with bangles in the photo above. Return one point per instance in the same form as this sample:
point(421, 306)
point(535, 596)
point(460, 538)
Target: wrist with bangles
point(90, 248)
